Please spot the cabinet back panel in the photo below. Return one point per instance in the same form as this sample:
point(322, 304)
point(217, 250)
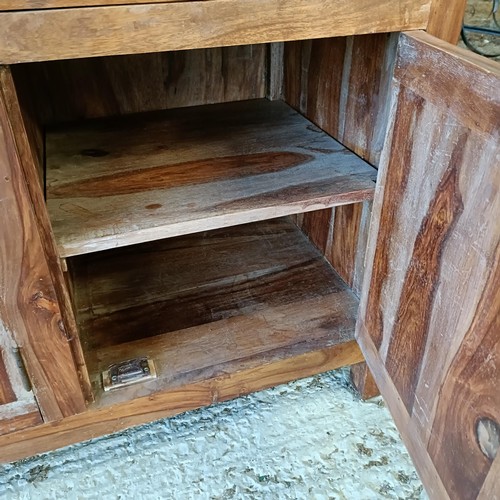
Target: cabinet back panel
point(70, 90)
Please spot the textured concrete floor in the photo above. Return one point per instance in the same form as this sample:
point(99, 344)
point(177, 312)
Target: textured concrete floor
point(310, 439)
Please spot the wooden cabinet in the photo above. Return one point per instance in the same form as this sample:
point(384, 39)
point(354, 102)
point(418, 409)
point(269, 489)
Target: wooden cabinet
point(216, 213)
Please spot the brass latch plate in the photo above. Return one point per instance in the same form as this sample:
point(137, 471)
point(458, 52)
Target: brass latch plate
point(128, 372)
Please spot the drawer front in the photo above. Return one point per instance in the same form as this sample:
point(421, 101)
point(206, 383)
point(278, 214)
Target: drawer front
point(66, 4)
point(38, 35)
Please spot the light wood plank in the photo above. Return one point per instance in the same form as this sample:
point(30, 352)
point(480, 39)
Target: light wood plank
point(445, 20)
point(137, 179)
point(28, 36)
point(430, 309)
point(65, 4)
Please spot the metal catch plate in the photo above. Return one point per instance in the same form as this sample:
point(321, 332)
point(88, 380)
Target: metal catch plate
point(128, 372)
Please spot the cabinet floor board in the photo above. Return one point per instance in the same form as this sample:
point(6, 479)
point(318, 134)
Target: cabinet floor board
point(209, 304)
point(123, 181)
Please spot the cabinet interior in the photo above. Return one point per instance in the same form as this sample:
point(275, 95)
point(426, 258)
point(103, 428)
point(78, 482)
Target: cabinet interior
point(202, 218)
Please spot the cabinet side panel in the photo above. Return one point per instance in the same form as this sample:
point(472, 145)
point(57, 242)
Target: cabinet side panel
point(20, 122)
point(111, 86)
point(29, 306)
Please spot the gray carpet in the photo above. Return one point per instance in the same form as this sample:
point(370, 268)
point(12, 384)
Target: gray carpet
point(310, 439)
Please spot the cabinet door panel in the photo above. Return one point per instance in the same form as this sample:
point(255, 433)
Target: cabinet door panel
point(429, 321)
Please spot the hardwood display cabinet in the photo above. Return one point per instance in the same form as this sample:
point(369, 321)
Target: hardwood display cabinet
point(200, 199)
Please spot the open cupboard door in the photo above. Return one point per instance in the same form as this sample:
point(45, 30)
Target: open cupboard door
point(429, 320)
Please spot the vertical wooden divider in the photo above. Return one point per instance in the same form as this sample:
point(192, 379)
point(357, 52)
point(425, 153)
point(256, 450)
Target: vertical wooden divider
point(342, 85)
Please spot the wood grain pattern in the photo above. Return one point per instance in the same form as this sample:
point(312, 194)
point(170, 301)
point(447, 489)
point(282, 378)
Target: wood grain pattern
point(471, 381)
point(31, 167)
point(399, 165)
point(341, 252)
point(261, 330)
point(363, 381)
point(342, 85)
point(462, 100)
point(116, 183)
point(408, 339)
point(70, 90)
point(314, 225)
point(29, 36)
point(183, 398)
point(491, 486)
point(29, 308)
point(429, 317)
point(7, 394)
point(252, 270)
point(24, 418)
point(61, 4)
point(445, 20)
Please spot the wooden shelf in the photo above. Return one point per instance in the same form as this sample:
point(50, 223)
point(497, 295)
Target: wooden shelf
point(117, 182)
point(219, 303)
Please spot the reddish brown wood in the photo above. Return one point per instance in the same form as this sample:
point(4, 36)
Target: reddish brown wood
point(315, 225)
point(24, 420)
point(408, 339)
point(7, 394)
point(471, 382)
point(342, 84)
point(29, 306)
point(31, 166)
point(399, 166)
point(363, 381)
point(206, 278)
point(429, 315)
point(366, 81)
point(342, 249)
